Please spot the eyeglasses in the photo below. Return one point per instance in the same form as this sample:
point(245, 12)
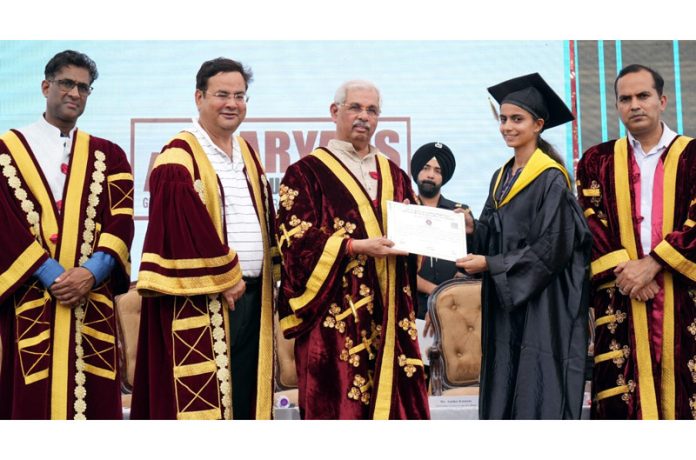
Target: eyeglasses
point(357, 109)
point(239, 98)
point(66, 85)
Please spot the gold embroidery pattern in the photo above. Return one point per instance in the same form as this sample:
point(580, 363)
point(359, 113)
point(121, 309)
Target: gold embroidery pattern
point(619, 360)
point(349, 227)
point(304, 226)
point(603, 217)
point(407, 290)
point(33, 332)
point(350, 353)
point(621, 381)
point(409, 325)
point(359, 390)
point(200, 189)
point(220, 349)
point(287, 196)
point(692, 368)
point(692, 404)
point(619, 318)
point(86, 248)
point(80, 391)
point(376, 336)
point(365, 292)
point(367, 343)
point(332, 322)
point(10, 172)
point(596, 200)
point(409, 365)
point(298, 231)
point(347, 345)
point(120, 199)
point(692, 328)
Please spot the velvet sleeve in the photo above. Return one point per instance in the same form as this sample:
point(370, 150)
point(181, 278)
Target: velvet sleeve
point(313, 255)
point(607, 250)
point(21, 254)
point(521, 273)
point(182, 252)
point(116, 235)
point(677, 251)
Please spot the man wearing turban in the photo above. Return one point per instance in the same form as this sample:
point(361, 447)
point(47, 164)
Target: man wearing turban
point(432, 166)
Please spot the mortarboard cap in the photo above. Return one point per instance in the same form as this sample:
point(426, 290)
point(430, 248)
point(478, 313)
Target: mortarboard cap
point(534, 95)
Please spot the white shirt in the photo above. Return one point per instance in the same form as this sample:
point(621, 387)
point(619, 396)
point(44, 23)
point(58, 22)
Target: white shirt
point(51, 149)
point(243, 228)
point(360, 167)
point(647, 163)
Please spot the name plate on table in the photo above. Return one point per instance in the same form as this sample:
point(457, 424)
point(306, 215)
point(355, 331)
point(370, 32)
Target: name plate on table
point(427, 231)
point(451, 402)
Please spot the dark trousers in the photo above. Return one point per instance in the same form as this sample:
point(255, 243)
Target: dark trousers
point(245, 322)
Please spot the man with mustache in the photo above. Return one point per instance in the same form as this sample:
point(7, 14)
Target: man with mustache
point(346, 294)
point(205, 349)
point(432, 166)
point(639, 197)
point(66, 207)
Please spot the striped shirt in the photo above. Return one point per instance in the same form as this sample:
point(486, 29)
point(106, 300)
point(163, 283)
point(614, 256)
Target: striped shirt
point(243, 228)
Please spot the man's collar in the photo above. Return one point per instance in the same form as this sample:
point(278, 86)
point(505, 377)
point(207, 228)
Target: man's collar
point(53, 130)
point(349, 149)
point(665, 139)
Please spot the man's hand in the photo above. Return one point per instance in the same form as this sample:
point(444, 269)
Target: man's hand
point(473, 263)
point(468, 219)
point(234, 293)
point(376, 247)
point(634, 275)
point(73, 286)
point(648, 292)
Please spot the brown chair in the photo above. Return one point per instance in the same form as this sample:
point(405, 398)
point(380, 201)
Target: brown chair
point(285, 370)
point(455, 357)
point(128, 307)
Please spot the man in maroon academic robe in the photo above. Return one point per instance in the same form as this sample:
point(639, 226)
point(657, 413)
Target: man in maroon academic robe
point(346, 296)
point(639, 198)
point(66, 206)
point(205, 349)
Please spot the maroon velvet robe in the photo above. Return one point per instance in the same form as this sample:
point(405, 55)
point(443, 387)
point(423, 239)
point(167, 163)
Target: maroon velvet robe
point(45, 373)
point(182, 368)
point(352, 317)
point(645, 352)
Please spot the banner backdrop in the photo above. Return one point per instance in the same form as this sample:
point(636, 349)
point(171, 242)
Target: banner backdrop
point(431, 91)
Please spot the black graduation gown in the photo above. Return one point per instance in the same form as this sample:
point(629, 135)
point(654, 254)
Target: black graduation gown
point(535, 302)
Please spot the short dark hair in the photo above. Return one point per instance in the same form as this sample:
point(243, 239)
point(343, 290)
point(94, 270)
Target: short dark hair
point(658, 81)
point(74, 58)
point(217, 65)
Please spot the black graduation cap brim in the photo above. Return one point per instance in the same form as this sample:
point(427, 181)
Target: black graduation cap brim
point(558, 112)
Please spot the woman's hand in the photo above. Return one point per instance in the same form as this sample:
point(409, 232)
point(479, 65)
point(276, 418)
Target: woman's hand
point(473, 263)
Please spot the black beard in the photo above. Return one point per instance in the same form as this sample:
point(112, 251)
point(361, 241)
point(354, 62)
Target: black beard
point(428, 189)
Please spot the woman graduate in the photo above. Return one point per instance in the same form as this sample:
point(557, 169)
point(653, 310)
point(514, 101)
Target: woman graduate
point(532, 245)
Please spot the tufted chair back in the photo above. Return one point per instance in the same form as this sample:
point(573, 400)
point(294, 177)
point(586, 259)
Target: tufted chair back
point(455, 311)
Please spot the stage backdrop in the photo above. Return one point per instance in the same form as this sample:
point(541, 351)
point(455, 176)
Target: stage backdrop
point(431, 91)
